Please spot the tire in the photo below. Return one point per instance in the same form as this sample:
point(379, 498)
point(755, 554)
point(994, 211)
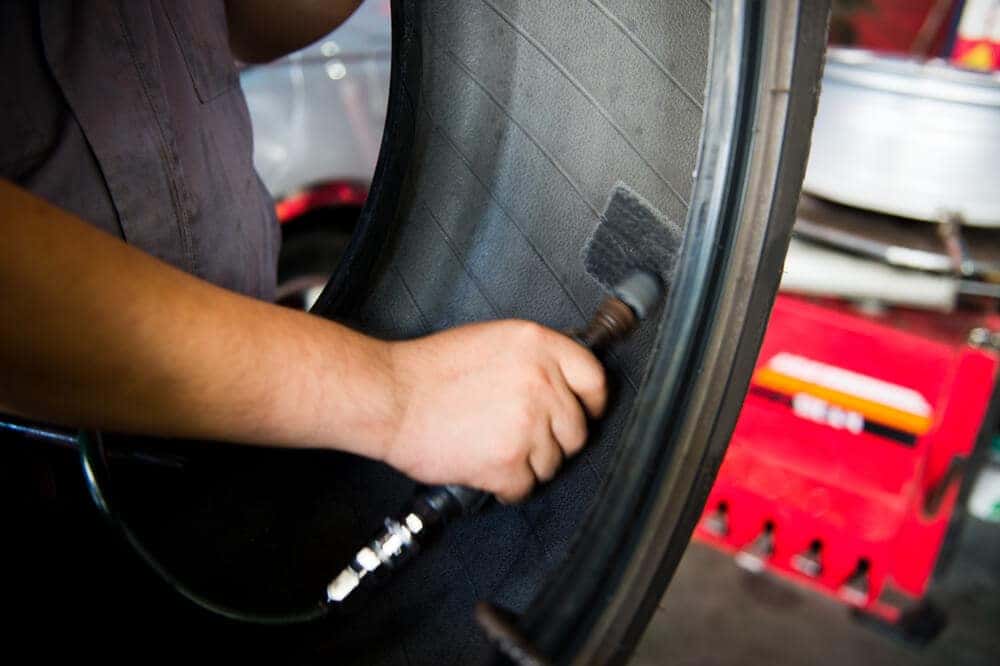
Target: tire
point(508, 124)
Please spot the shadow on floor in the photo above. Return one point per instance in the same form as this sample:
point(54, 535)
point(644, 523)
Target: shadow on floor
point(716, 613)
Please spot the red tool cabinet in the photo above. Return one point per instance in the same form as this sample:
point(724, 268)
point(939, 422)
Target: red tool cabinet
point(844, 467)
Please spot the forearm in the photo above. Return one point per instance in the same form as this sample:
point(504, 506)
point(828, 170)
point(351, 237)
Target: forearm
point(96, 333)
point(262, 30)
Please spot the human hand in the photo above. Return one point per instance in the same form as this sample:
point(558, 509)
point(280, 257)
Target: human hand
point(495, 406)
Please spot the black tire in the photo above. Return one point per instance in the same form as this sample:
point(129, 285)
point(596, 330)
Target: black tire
point(509, 123)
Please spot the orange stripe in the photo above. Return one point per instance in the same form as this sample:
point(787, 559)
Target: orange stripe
point(872, 411)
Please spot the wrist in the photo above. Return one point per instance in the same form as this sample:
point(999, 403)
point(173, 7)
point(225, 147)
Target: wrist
point(396, 394)
point(338, 390)
point(374, 394)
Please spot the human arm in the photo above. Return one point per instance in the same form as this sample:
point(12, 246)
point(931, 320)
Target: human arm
point(262, 30)
point(95, 333)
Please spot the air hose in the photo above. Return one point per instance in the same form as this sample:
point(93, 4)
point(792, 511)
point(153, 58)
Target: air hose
point(94, 460)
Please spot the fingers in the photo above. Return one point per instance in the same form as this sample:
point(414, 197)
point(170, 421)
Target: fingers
point(584, 375)
point(566, 432)
point(576, 383)
point(545, 459)
point(569, 423)
point(541, 464)
point(517, 486)
point(554, 384)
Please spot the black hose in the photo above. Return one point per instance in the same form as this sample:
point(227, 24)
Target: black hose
point(97, 479)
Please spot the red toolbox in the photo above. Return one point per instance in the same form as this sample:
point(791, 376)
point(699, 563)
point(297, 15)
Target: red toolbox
point(844, 467)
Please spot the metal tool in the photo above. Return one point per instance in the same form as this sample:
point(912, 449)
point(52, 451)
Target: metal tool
point(402, 538)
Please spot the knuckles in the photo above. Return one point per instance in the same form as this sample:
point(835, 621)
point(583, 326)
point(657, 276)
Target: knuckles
point(530, 334)
point(546, 474)
point(577, 438)
point(535, 382)
point(516, 489)
point(511, 457)
point(598, 382)
point(594, 382)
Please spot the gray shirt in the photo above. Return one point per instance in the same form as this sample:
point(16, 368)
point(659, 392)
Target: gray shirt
point(129, 114)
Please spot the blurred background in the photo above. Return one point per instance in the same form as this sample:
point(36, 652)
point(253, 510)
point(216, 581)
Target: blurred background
point(856, 516)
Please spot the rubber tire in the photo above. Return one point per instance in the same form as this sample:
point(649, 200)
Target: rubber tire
point(761, 101)
point(508, 124)
point(530, 112)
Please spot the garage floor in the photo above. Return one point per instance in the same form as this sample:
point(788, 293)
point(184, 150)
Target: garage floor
point(716, 613)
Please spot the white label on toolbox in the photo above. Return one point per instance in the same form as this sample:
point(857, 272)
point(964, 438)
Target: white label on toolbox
point(851, 383)
point(811, 408)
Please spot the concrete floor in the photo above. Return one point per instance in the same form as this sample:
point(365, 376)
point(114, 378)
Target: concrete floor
point(716, 613)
